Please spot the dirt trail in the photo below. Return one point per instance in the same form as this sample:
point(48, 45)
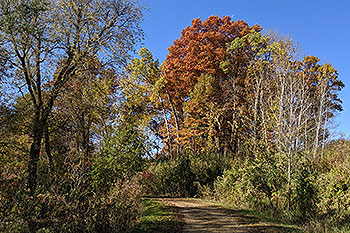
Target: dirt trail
point(201, 216)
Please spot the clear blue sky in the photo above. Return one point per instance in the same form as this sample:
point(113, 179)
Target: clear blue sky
point(322, 28)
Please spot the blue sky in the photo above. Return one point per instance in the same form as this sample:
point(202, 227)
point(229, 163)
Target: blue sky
point(321, 27)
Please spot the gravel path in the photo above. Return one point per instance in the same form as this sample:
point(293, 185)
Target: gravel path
point(201, 216)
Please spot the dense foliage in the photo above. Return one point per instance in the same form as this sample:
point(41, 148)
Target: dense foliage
point(231, 115)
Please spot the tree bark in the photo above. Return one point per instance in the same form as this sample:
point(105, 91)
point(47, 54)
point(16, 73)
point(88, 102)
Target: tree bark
point(176, 120)
point(34, 154)
point(48, 149)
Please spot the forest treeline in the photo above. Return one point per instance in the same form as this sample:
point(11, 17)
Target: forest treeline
point(232, 114)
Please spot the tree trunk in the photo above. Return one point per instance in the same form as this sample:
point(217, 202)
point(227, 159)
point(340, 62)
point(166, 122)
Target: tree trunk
point(34, 155)
point(176, 120)
point(167, 126)
point(48, 149)
point(289, 182)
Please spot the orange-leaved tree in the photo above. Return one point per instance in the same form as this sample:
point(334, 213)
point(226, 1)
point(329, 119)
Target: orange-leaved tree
point(193, 62)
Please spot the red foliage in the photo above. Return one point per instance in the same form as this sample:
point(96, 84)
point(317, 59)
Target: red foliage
point(201, 49)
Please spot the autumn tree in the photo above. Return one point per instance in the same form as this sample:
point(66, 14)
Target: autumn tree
point(141, 101)
point(87, 104)
point(324, 86)
point(200, 51)
point(48, 42)
point(288, 108)
point(245, 53)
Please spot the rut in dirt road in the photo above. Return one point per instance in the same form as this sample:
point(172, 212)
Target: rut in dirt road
point(200, 216)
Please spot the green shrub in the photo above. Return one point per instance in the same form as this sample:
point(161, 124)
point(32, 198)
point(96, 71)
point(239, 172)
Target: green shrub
point(207, 167)
point(170, 177)
point(333, 185)
point(184, 175)
point(121, 156)
point(251, 183)
point(110, 167)
point(304, 198)
point(334, 195)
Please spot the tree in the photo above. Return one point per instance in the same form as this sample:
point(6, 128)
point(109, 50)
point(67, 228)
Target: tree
point(48, 42)
point(87, 104)
point(200, 51)
point(247, 57)
point(203, 122)
point(141, 101)
point(289, 110)
point(325, 87)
